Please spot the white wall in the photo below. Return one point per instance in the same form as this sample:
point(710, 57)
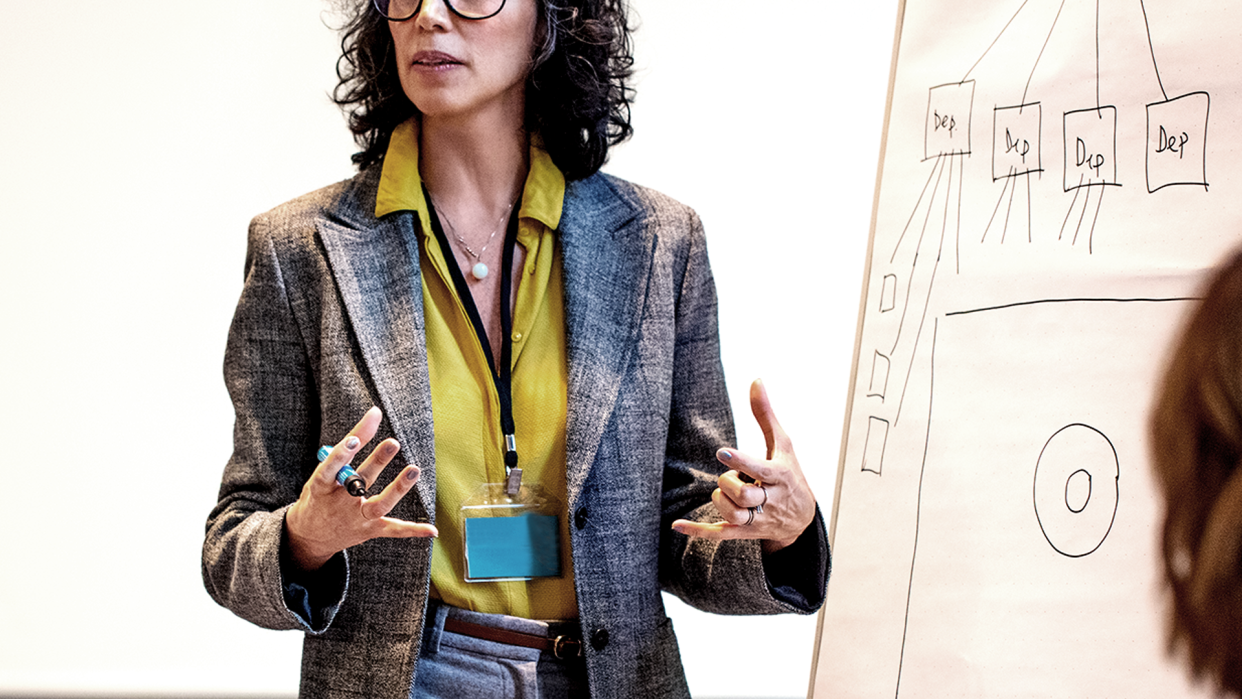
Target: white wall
point(136, 140)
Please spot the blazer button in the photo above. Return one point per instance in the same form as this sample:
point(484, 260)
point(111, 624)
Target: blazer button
point(580, 518)
point(599, 639)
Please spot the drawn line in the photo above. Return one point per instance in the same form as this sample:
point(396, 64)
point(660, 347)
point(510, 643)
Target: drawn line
point(1097, 55)
point(1152, 48)
point(1086, 202)
point(948, 199)
point(915, 264)
point(998, 36)
point(961, 175)
point(1041, 52)
point(1085, 299)
point(918, 509)
point(1099, 203)
point(1028, 208)
point(994, 210)
point(931, 285)
point(1009, 207)
point(1071, 207)
point(926, 184)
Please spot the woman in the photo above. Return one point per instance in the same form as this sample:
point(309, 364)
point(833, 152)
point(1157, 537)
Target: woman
point(1196, 436)
point(500, 316)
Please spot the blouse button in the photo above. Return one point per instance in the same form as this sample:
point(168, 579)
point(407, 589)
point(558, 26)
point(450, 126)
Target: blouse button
point(517, 337)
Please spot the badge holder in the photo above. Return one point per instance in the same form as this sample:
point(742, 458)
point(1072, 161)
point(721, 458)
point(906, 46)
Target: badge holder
point(511, 530)
point(511, 536)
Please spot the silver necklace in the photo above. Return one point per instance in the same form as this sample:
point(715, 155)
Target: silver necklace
point(479, 270)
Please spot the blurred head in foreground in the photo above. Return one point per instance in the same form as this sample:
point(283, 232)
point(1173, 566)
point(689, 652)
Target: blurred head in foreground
point(1196, 441)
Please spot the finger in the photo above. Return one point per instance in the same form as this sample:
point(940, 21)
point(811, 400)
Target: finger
point(378, 460)
point(710, 530)
point(402, 529)
point(370, 422)
point(731, 511)
point(325, 474)
point(746, 465)
point(761, 407)
point(380, 505)
point(741, 493)
point(348, 447)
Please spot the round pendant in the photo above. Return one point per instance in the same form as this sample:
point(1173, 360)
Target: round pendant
point(479, 271)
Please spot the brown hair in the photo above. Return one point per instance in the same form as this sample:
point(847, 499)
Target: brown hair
point(577, 95)
point(1196, 441)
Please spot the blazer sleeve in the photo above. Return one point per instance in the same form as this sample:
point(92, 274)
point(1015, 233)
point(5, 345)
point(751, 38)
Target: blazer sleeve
point(726, 577)
point(270, 381)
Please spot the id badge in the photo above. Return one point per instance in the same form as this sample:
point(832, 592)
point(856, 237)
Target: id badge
point(511, 537)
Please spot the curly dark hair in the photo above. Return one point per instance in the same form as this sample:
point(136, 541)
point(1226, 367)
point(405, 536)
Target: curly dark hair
point(1196, 443)
point(577, 93)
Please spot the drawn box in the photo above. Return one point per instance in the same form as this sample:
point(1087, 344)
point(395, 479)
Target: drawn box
point(947, 128)
point(1016, 141)
point(1090, 147)
point(1177, 141)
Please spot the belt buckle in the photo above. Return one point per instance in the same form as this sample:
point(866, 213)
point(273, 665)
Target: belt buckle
point(567, 647)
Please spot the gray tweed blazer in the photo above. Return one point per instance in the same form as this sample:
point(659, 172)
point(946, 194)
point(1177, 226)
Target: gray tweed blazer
point(330, 322)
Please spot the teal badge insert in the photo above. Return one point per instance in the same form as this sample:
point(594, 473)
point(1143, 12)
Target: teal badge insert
point(511, 537)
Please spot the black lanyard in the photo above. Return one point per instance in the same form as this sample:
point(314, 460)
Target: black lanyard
point(504, 377)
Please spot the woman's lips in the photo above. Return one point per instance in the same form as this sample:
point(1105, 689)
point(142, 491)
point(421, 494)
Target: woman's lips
point(434, 60)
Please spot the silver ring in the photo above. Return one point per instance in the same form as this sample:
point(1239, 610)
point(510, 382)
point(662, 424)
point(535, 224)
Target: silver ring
point(750, 519)
point(759, 509)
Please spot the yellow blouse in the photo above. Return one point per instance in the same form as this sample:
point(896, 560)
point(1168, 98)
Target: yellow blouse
point(465, 405)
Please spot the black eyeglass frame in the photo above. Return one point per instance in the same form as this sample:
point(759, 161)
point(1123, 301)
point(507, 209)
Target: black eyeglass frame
point(447, 3)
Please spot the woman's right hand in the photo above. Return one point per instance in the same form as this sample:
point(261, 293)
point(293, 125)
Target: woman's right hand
point(326, 519)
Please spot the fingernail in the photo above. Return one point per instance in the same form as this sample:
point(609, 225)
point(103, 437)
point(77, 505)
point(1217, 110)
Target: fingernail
point(411, 473)
point(726, 454)
point(391, 448)
point(351, 443)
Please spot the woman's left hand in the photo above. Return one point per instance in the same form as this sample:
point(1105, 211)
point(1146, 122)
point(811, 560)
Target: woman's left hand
point(777, 507)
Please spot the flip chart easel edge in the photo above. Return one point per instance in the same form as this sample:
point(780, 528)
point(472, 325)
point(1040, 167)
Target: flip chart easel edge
point(862, 308)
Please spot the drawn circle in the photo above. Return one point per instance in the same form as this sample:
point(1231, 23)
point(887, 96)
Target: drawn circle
point(1076, 489)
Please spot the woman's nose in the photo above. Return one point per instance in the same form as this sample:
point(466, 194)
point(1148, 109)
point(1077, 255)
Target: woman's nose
point(434, 13)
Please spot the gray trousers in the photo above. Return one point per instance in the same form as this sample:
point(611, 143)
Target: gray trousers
point(453, 666)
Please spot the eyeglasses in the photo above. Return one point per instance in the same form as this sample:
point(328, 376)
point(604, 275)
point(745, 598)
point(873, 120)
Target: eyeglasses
point(401, 10)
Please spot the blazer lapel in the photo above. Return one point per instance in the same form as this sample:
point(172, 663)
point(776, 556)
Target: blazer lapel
point(375, 264)
point(607, 265)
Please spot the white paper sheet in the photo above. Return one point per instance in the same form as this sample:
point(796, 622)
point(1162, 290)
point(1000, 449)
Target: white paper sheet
point(1057, 178)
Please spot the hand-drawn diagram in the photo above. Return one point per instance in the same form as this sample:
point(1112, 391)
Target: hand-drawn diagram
point(994, 473)
point(1077, 486)
point(1016, 552)
point(1175, 155)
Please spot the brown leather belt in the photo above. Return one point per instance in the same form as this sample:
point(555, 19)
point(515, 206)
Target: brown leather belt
point(563, 647)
